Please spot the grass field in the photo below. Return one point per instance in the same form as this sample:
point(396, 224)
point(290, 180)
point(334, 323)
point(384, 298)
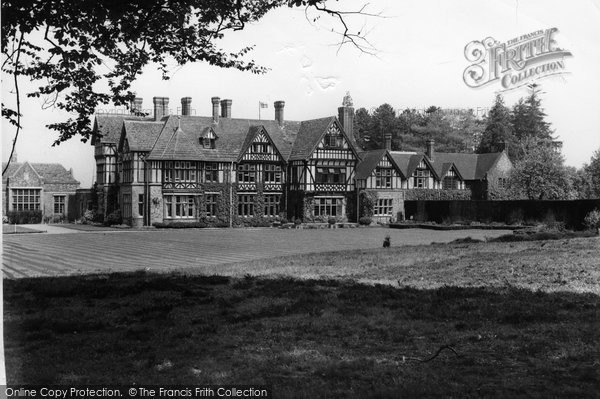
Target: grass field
point(556, 265)
point(17, 229)
point(521, 319)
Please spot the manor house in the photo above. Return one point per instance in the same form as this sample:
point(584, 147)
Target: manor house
point(227, 171)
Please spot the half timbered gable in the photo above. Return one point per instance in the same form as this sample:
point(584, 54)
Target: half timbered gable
point(329, 165)
point(260, 147)
point(334, 144)
point(260, 163)
point(378, 170)
point(450, 178)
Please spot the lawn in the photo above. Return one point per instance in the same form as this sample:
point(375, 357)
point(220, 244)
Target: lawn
point(17, 229)
point(526, 330)
point(554, 265)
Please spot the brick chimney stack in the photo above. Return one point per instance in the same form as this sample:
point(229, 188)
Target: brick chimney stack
point(215, 108)
point(346, 115)
point(186, 106)
point(279, 107)
point(157, 108)
point(226, 108)
point(430, 150)
point(161, 107)
point(165, 106)
point(388, 141)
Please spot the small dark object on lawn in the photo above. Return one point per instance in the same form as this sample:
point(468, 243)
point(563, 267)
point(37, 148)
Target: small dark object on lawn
point(386, 241)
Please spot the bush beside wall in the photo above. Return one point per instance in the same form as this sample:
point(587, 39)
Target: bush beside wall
point(24, 217)
point(569, 214)
point(426, 194)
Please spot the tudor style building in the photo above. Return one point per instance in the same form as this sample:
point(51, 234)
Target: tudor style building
point(45, 187)
point(396, 176)
point(224, 171)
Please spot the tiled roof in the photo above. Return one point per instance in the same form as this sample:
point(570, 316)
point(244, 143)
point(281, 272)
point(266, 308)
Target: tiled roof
point(370, 159)
point(470, 166)
point(407, 161)
point(441, 168)
point(179, 138)
point(108, 127)
point(141, 135)
point(49, 172)
point(485, 162)
point(309, 135)
point(252, 133)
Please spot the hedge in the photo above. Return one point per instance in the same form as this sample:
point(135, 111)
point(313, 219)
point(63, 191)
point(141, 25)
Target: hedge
point(24, 217)
point(570, 214)
point(189, 225)
point(425, 194)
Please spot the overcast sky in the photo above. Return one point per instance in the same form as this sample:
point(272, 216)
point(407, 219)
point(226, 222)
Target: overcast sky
point(420, 62)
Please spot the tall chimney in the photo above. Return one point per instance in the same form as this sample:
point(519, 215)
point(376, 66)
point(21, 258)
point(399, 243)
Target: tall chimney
point(430, 151)
point(215, 107)
point(186, 106)
point(346, 115)
point(165, 106)
point(388, 141)
point(279, 106)
point(158, 108)
point(226, 108)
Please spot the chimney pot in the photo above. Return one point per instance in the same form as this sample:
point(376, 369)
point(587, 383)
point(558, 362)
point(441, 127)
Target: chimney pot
point(279, 107)
point(430, 150)
point(226, 108)
point(186, 106)
point(388, 141)
point(165, 106)
point(158, 108)
point(215, 108)
point(346, 115)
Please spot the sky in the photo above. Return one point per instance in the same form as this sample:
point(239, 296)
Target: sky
point(419, 62)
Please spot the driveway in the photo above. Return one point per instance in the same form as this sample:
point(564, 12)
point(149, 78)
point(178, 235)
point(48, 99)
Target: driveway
point(29, 255)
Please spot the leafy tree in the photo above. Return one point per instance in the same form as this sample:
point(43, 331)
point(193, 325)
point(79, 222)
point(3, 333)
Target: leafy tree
point(468, 127)
point(432, 110)
point(362, 127)
point(592, 171)
point(529, 125)
point(498, 129)
point(383, 121)
point(62, 44)
point(408, 121)
point(440, 126)
point(580, 183)
point(540, 174)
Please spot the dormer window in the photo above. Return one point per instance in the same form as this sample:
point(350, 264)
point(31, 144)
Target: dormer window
point(208, 138)
point(207, 143)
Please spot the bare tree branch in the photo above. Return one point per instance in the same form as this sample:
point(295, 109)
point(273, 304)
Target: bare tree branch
point(358, 40)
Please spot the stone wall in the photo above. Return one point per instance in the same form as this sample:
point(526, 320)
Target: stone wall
point(397, 197)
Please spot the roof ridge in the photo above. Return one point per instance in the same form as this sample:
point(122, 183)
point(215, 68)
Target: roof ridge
point(170, 138)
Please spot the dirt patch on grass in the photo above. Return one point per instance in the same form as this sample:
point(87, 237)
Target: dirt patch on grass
point(305, 338)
